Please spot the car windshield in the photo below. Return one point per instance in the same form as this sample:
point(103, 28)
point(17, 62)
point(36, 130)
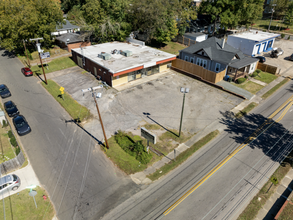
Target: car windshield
point(3, 89)
point(10, 106)
point(27, 70)
point(14, 177)
point(19, 122)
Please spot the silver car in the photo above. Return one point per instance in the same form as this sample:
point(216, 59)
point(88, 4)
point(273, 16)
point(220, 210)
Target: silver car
point(9, 182)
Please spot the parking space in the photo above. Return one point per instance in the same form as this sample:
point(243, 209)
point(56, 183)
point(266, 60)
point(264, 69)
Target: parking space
point(282, 62)
point(156, 101)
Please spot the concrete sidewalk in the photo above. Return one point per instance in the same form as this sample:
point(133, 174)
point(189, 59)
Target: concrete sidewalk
point(141, 177)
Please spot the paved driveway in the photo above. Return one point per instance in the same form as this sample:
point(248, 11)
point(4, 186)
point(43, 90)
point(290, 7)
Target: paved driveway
point(160, 99)
point(282, 62)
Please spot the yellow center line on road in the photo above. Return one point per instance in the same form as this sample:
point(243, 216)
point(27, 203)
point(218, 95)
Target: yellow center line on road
point(253, 136)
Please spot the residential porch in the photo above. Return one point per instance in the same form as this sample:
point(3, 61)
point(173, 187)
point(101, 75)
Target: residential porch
point(237, 73)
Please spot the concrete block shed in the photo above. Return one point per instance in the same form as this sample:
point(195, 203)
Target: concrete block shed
point(253, 43)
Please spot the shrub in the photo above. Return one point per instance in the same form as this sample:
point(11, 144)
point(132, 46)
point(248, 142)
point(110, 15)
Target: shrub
point(288, 38)
point(4, 124)
point(230, 79)
point(254, 74)
point(13, 141)
point(282, 35)
point(10, 135)
point(135, 149)
point(17, 150)
point(241, 80)
point(258, 71)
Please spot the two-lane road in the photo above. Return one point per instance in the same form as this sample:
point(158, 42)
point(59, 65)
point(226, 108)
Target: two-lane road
point(81, 182)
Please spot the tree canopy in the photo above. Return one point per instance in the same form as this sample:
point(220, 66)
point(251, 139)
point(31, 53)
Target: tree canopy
point(231, 13)
point(22, 20)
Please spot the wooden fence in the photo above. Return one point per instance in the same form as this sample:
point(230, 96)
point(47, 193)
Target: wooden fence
point(184, 40)
point(199, 71)
point(12, 164)
point(267, 68)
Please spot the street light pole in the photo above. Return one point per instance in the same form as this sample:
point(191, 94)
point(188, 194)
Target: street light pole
point(29, 65)
point(184, 91)
point(39, 51)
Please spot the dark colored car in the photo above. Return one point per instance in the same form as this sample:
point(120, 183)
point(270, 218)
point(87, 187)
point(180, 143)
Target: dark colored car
point(11, 108)
point(27, 71)
point(4, 91)
point(21, 125)
point(291, 57)
point(261, 59)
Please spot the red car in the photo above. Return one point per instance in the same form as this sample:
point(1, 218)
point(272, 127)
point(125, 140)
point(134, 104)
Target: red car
point(26, 71)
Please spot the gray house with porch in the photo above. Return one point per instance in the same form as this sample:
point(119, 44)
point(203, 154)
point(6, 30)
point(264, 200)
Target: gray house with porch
point(215, 55)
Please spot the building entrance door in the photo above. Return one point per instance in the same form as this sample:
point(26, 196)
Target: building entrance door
point(131, 76)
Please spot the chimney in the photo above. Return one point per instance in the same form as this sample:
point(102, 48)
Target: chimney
point(223, 43)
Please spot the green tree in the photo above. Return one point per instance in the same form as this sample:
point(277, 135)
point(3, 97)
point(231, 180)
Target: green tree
point(28, 19)
point(288, 20)
point(279, 7)
point(249, 11)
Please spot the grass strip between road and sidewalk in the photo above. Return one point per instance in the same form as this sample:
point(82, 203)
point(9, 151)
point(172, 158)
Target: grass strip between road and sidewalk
point(74, 109)
point(246, 110)
point(183, 156)
point(251, 211)
point(275, 88)
point(22, 206)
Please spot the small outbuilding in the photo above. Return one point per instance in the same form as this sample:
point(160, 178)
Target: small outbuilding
point(118, 63)
point(196, 36)
point(252, 43)
point(70, 41)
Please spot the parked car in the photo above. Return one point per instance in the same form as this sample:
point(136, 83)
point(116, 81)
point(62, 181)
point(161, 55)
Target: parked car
point(291, 57)
point(21, 125)
point(4, 91)
point(10, 108)
point(9, 182)
point(261, 59)
point(276, 52)
point(27, 71)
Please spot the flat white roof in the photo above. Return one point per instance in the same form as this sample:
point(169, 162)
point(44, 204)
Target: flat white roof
point(256, 35)
point(141, 55)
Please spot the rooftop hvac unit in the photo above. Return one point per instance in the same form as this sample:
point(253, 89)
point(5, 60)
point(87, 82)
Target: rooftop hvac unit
point(105, 56)
point(126, 53)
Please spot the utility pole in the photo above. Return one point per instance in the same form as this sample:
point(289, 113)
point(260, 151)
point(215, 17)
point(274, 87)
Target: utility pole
point(271, 16)
point(29, 65)
point(184, 91)
point(99, 95)
point(39, 50)
point(107, 145)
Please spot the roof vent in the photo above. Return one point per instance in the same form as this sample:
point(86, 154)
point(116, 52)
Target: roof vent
point(126, 53)
point(104, 56)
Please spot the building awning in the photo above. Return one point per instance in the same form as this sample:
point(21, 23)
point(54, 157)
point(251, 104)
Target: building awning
point(238, 64)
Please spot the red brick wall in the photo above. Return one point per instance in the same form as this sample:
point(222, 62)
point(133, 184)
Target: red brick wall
point(77, 45)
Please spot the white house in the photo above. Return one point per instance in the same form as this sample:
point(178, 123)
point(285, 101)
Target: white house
point(252, 43)
point(196, 36)
point(65, 28)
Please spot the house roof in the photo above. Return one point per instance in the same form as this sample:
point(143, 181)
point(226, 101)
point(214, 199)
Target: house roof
point(212, 47)
point(194, 34)
point(256, 36)
point(141, 56)
point(70, 38)
point(242, 62)
point(66, 26)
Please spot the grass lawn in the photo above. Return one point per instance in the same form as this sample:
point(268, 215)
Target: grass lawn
point(183, 156)
point(22, 206)
point(264, 24)
point(54, 65)
point(249, 86)
point(6, 149)
point(275, 88)
point(246, 110)
point(169, 47)
point(266, 77)
point(74, 109)
point(264, 194)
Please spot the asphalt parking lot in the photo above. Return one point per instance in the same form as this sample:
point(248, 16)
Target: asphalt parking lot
point(282, 62)
point(157, 101)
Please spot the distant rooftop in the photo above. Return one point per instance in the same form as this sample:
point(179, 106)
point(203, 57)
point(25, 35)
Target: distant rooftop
point(141, 55)
point(70, 38)
point(66, 26)
point(194, 34)
point(256, 35)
